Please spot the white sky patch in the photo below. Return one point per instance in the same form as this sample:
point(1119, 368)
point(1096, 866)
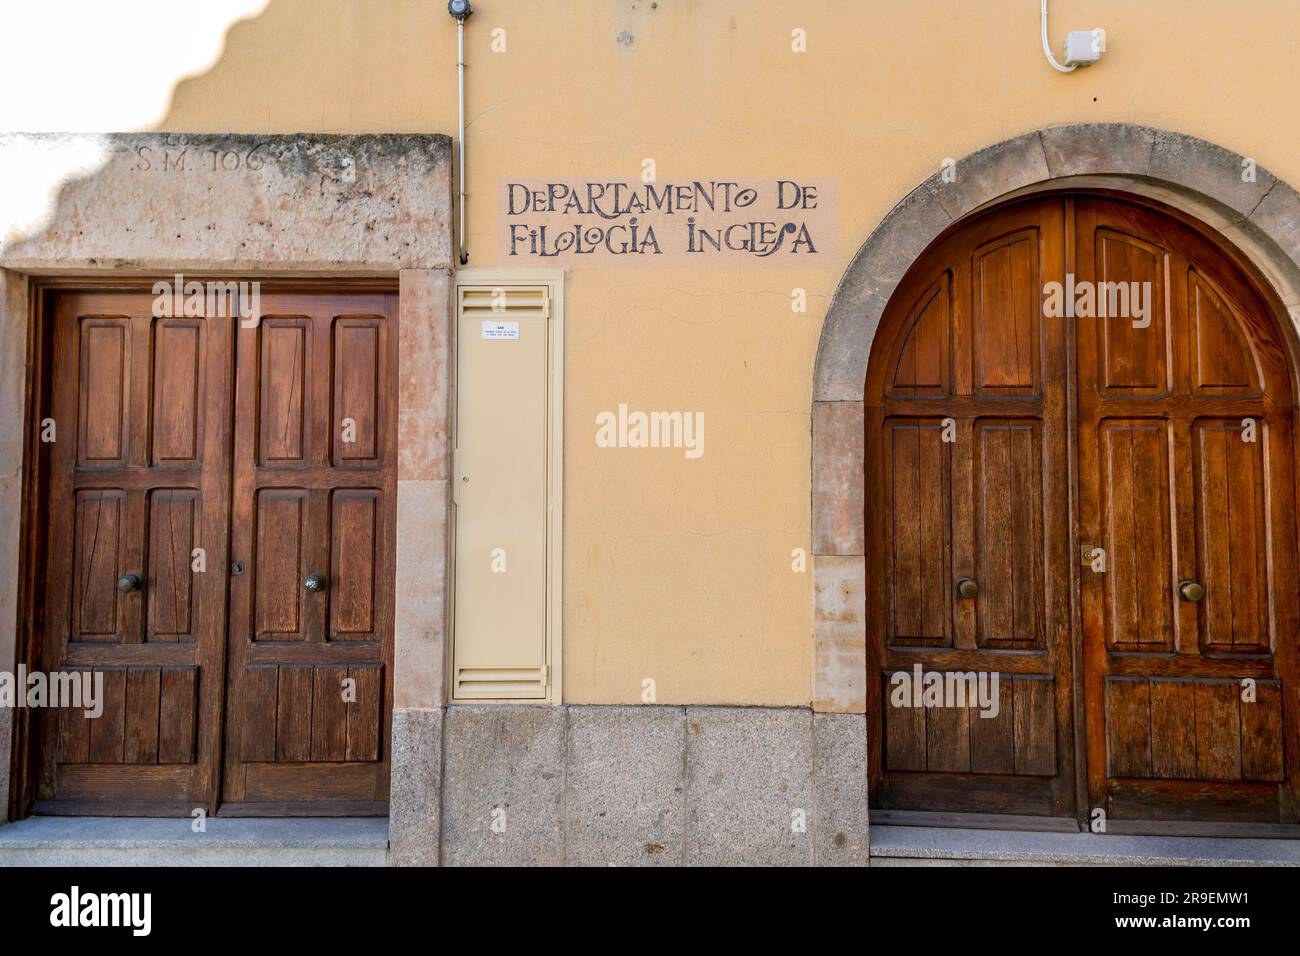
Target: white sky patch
point(86, 66)
point(95, 66)
point(31, 172)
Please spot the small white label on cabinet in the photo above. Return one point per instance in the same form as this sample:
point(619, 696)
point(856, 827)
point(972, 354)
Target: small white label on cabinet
point(500, 330)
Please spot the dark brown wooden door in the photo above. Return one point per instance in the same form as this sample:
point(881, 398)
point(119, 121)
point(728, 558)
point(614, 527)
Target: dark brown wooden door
point(224, 467)
point(314, 498)
point(1173, 547)
point(1186, 476)
point(139, 477)
point(967, 479)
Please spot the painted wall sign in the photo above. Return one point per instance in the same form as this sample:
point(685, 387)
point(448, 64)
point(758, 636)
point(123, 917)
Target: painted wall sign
point(678, 222)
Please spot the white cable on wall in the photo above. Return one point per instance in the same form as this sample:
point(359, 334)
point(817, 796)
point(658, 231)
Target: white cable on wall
point(1047, 47)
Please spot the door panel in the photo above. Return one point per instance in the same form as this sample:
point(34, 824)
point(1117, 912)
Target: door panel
point(1009, 534)
point(357, 517)
point(918, 492)
point(138, 480)
point(1186, 476)
point(173, 536)
point(104, 389)
point(966, 478)
point(1135, 361)
point(98, 556)
point(314, 497)
point(1188, 730)
point(1006, 314)
point(1019, 740)
point(1231, 524)
point(279, 566)
point(1223, 362)
point(1136, 501)
point(923, 366)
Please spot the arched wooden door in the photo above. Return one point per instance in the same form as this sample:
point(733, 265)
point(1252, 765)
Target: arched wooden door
point(1078, 419)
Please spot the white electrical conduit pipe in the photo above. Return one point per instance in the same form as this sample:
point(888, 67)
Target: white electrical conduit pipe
point(1047, 47)
point(460, 83)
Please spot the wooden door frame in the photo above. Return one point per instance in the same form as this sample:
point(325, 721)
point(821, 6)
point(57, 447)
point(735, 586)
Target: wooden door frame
point(42, 290)
point(885, 337)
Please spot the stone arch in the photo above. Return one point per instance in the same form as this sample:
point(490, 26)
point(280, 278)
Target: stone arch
point(1259, 215)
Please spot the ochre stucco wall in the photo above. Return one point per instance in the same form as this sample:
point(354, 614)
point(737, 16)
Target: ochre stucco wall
point(680, 570)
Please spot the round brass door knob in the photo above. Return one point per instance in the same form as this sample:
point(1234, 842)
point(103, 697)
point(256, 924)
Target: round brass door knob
point(967, 588)
point(1190, 591)
point(315, 582)
point(129, 582)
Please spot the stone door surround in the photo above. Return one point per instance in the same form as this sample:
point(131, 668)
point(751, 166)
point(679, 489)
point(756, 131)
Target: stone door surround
point(270, 207)
point(1252, 208)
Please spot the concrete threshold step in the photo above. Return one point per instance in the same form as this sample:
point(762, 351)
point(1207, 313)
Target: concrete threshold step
point(130, 841)
point(944, 846)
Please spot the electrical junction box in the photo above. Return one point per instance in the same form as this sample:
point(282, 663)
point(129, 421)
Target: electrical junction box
point(1084, 47)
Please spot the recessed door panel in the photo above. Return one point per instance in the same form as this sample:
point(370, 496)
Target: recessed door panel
point(918, 495)
point(1009, 540)
point(1138, 575)
point(1188, 729)
point(358, 372)
point(175, 522)
point(924, 361)
point(178, 391)
point(1129, 306)
point(97, 555)
point(357, 519)
point(1231, 520)
point(286, 347)
point(104, 390)
point(1223, 362)
point(1007, 314)
point(278, 567)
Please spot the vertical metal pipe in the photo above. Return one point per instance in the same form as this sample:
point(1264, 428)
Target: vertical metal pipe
point(460, 83)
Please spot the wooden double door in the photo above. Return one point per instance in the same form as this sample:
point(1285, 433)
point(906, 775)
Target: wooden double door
point(218, 550)
point(1080, 473)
